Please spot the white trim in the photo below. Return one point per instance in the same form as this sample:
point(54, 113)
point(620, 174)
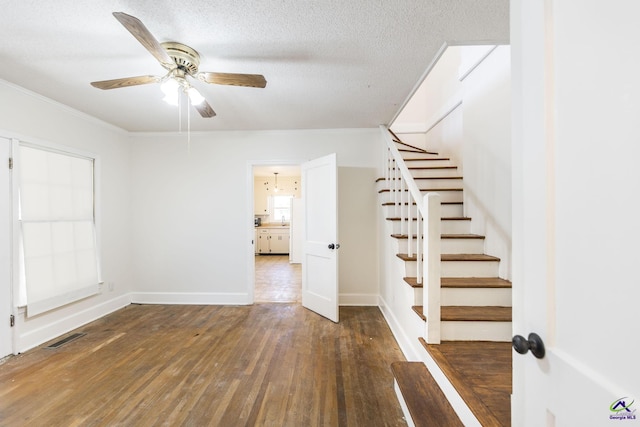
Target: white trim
point(65, 108)
point(406, 345)
point(188, 298)
point(42, 306)
point(464, 74)
point(449, 107)
point(56, 328)
point(358, 299)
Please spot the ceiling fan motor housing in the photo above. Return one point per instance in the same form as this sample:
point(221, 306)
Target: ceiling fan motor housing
point(186, 58)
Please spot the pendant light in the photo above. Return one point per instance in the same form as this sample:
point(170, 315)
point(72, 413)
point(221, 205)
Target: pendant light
point(275, 189)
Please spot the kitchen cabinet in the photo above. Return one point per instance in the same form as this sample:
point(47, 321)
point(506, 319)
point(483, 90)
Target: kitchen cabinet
point(272, 240)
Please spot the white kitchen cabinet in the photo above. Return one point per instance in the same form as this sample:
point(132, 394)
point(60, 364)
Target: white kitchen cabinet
point(272, 240)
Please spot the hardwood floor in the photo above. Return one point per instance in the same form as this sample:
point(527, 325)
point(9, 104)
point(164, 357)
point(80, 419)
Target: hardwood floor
point(260, 365)
point(277, 280)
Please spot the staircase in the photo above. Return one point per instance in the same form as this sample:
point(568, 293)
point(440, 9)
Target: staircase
point(475, 303)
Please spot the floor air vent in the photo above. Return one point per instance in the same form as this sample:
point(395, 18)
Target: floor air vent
point(63, 341)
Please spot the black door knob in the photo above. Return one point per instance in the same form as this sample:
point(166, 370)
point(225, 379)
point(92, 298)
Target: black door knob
point(523, 345)
point(332, 246)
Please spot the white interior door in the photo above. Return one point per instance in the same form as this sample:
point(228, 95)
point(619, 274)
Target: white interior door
point(576, 193)
point(6, 344)
point(320, 242)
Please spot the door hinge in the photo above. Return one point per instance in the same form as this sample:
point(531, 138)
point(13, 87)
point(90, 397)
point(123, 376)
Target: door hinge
point(10, 162)
point(12, 320)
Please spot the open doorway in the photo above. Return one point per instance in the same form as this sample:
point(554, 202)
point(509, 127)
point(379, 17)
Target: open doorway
point(278, 238)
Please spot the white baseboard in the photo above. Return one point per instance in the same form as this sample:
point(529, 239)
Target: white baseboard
point(358, 299)
point(408, 349)
point(61, 326)
point(187, 298)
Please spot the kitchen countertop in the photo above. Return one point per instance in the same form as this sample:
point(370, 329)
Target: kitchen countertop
point(274, 226)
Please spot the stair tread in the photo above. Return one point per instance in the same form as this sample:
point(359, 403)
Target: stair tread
point(419, 310)
point(414, 203)
point(474, 282)
point(464, 282)
point(427, 158)
point(443, 236)
point(448, 218)
point(454, 257)
point(386, 190)
point(475, 313)
point(481, 373)
point(428, 167)
point(426, 403)
point(424, 177)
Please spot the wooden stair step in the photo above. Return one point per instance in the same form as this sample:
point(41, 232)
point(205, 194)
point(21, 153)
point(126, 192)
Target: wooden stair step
point(464, 282)
point(474, 282)
point(427, 404)
point(422, 178)
point(427, 158)
point(454, 257)
point(475, 314)
point(419, 310)
point(481, 373)
point(435, 190)
point(443, 236)
point(428, 167)
point(448, 218)
point(414, 203)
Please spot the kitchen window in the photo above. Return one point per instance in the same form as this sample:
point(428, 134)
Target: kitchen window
point(281, 208)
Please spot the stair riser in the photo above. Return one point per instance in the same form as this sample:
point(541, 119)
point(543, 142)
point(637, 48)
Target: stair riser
point(431, 172)
point(460, 268)
point(427, 163)
point(455, 226)
point(445, 196)
point(416, 155)
point(476, 331)
point(447, 227)
point(469, 268)
point(449, 246)
point(476, 297)
point(455, 210)
point(435, 183)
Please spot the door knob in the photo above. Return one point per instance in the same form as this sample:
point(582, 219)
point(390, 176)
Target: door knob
point(332, 246)
point(523, 345)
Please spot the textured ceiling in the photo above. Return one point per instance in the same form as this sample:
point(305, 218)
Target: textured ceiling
point(328, 63)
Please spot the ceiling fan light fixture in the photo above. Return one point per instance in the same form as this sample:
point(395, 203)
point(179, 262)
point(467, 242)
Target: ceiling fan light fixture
point(170, 87)
point(194, 96)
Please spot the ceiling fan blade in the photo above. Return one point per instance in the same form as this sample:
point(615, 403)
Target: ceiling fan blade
point(144, 36)
point(249, 80)
point(124, 82)
point(205, 109)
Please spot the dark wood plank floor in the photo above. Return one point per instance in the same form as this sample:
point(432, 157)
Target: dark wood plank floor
point(260, 365)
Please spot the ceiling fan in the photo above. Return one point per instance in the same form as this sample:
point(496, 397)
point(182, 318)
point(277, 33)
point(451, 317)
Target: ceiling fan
point(181, 62)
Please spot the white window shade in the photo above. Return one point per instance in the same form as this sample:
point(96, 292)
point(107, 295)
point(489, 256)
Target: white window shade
point(57, 223)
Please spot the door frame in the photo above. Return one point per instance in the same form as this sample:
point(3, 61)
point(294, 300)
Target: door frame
point(11, 245)
point(251, 215)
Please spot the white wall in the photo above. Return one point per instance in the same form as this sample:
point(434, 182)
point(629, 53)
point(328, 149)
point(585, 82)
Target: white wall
point(486, 155)
point(29, 117)
point(192, 220)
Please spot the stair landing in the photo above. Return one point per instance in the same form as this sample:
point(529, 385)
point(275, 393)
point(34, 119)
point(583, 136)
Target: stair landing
point(481, 373)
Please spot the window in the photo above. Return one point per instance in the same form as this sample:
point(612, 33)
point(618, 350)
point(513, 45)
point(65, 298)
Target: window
point(58, 250)
point(281, 208)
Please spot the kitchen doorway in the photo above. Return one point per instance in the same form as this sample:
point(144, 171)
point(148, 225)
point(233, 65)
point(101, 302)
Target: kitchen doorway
point(277, 240)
